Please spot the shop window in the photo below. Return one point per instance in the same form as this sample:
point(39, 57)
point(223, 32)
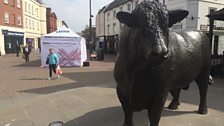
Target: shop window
point(7, 18)
point(19, 20)
point(6, 1)
point(18, 4)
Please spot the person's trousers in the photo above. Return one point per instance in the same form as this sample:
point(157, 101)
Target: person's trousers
point(27, 58)
point(52, 67)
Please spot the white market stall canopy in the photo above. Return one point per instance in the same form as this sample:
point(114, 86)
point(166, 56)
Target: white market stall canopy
point(69, 46)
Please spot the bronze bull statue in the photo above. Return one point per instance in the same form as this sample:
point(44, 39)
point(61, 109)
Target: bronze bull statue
point(152, 61)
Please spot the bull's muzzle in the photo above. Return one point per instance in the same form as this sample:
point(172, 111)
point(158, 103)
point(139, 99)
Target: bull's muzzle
point(160, 51)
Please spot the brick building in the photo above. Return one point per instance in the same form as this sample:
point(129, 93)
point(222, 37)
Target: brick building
point(51, 21)
point(11, 25)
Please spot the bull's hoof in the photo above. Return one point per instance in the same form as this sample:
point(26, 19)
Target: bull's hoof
point(203, 111)
point(173, 105)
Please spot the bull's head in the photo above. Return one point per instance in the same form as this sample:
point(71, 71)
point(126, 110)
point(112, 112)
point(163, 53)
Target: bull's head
point(149, 25)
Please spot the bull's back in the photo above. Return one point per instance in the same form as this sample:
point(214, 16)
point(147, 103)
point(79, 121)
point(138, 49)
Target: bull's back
point(190, 53)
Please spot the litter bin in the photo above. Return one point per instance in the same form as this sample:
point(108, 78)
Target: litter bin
point(99, 54)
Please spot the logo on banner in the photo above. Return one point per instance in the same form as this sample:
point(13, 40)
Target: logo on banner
point(72, 58)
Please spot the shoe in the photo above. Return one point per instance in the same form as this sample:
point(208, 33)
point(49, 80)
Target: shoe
point(49, 78)
point(58, 76)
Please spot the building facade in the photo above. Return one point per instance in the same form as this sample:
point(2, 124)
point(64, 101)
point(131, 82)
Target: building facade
point(197, 19)
point(11, 26)
point(51, 21)
point(34, 22)
point(108, 27)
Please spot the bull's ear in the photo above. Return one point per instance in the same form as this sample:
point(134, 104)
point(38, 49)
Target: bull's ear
point(177, 16)
point(127, 18)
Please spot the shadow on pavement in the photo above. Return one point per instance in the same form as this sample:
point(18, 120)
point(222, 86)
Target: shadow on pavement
point(35, 79)
point(113, 116)
point(34, 63)
point(81, 79)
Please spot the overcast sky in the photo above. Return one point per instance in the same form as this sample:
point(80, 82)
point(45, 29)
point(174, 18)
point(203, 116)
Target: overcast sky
point(75, 12)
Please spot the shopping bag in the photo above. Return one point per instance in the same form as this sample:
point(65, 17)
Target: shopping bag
point(23, 56)
point(47, 61)
point(59, 71)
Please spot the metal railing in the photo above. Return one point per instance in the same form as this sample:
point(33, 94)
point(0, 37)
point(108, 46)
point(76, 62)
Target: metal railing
point(217, 65)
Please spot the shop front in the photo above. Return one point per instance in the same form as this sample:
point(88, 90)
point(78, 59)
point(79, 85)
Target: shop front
point(12, 40)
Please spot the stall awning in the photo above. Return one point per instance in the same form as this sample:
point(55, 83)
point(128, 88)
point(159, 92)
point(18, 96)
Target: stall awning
point(218, 15)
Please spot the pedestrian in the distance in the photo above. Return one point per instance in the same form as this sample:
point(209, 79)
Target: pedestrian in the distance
point(53, 63)
point(17, 49)
point(26, 52)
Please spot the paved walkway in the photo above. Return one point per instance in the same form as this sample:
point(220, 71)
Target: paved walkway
point(86, 97)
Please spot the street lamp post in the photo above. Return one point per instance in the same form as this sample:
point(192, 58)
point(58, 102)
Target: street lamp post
point(90, 26)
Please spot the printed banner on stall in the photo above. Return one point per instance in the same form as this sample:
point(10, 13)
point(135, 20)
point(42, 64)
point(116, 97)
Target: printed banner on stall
point(67, 49)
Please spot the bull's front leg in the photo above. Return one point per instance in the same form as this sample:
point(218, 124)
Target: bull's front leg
point(175, 101)
point(156, 108)
point(128, 112)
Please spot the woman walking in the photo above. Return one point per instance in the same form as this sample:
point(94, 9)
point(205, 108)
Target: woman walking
point(26, 52)
point(53, 63)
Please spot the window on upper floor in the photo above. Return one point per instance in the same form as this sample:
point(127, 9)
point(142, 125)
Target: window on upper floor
point(29, 8)
point(121, 8)
point(38, 26)
point(13, 19)
point(19, 20)
point(27, 23)
point(13, 3)
point(136, 3)
point(30, 23)
point(108, 29)
point(6, 1)
point(33, 24)
point(114, 14)
point(37, 12)
point(129, 7)
point(108, 16)
point(18, 3)
point(6, 18)
point(114, 28)
point(25, 6)
point(32, 11)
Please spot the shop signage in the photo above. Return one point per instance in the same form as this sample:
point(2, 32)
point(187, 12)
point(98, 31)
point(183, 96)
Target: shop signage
point(12, 33)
